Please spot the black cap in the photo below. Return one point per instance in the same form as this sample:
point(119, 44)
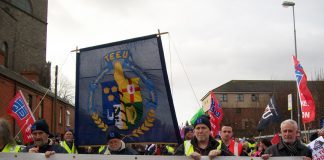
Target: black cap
point(40, 125)
point(203, 120)
point(187, 129)
point(113, 134)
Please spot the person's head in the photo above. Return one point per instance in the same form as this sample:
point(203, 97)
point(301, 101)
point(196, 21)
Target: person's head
point(321, 132)
point(114, 140)
point(188, 133)
point(245, 145)
point(40, 132)
point(5, 135)
point(226, 133)
point(289, 131)
point(202, 128)
point(68, 136)
point(265, 143)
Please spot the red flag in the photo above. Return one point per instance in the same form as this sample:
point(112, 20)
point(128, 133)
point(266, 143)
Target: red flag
point(215, 114)
point(275, 139)
point(305, 96)
point(19, 110)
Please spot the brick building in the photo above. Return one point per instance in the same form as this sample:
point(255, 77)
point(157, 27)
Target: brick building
point(23, 27)
point(244, 101)
point(23, 65)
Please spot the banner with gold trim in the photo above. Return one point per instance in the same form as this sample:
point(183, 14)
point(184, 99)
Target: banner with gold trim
point(124, 85)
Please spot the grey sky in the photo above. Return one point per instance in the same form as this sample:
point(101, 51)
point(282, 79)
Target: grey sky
point(217, 40)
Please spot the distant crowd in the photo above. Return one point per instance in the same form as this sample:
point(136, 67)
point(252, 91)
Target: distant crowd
point(197, 142)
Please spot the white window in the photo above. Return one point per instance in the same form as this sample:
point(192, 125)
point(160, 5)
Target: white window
point(60, 118)
point(68, 118)
point(240, 97)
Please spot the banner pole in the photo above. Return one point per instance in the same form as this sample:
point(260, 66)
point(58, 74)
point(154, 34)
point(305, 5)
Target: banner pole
point(305, 130)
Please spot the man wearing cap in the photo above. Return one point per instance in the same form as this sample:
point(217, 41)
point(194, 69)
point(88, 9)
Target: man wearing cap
point(115, 145)
point(202, 144)
point(68, 142)
point(40, 133)
point(188, 133)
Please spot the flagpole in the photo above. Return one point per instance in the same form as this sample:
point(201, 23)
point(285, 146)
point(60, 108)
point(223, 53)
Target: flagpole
point(292, 4)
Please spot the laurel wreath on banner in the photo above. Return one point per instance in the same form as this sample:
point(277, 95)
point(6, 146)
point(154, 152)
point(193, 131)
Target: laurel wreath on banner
point(145, 126)
point(97, 120)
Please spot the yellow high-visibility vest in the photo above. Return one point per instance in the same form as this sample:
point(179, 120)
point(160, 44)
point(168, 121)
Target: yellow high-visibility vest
point(170, 149)
point(188, 147)
point(72, 150)
point(11, 148)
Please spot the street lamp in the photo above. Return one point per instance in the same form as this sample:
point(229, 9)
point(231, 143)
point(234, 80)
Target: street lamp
point(292, 4)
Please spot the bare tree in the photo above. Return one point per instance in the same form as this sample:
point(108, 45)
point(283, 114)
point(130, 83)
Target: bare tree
point(65, 88)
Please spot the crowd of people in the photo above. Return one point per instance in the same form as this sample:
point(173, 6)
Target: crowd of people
point(197, 142)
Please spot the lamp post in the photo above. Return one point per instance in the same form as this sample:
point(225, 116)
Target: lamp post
point(292, 4)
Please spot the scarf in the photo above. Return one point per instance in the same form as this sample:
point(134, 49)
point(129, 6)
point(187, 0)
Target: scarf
point(292, 149)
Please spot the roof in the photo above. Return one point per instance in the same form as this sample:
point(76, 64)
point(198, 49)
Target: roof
point(255, 86)
point(261, 86)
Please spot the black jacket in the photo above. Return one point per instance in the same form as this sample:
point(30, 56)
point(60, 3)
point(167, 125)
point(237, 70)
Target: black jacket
point(213, 144)
point(280, 150)
point(47, 147)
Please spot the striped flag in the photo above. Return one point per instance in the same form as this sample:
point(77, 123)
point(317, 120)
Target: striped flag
point(305, 96)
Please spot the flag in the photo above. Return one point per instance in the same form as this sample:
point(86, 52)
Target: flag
point(275, 139)
point(199, 113)
point(305, 96)
point(125, 85)
point(215, 114)
point(271, 113)
point(20, 111)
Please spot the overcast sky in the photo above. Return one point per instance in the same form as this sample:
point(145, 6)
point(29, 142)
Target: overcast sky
point(216, 40)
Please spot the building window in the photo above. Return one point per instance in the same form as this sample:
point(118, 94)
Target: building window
point(30, 101)
point(223, 97)
point(255, 97)
point(60, 117)
point(40, 111)
point(240, 97)
point(67, 118)
point(4, 54)
point(25, 5)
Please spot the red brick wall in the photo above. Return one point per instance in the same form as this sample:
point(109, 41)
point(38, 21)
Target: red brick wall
point(8, 90)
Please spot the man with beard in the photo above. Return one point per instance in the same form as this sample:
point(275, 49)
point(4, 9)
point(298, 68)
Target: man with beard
point(202, 144)
point(289, 144)
point(40, 133)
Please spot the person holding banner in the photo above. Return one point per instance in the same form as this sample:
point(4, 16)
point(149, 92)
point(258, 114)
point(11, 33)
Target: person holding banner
point(202, 144)
point(7, 142)
point(40, 133)
point(289, 144)
point(115, 145)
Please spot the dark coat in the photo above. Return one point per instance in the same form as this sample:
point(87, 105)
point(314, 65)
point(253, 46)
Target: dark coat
point(280, 150)
point(213, 144)
point(123, 151)
point(47, 147)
